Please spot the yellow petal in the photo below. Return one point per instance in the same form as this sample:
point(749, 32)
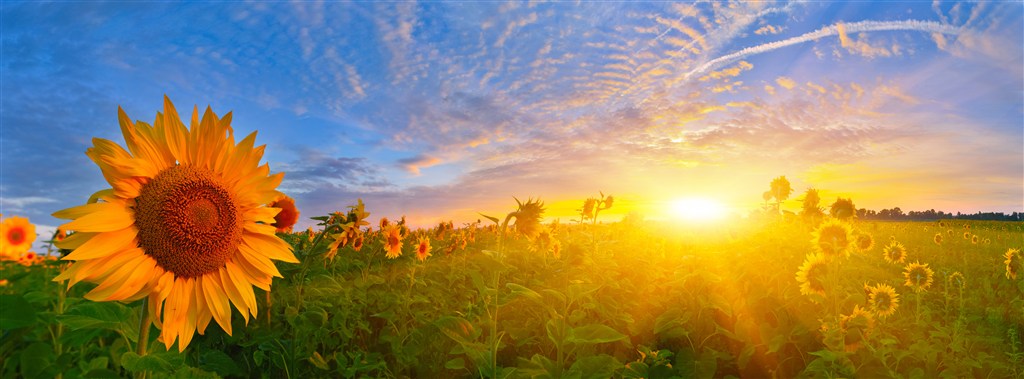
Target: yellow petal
point(269, 246)
point(243, 285)
point(104, 244)
point(217, 301)
point(105, 217)
point(115, 280)
point(73, 241)
point(233, 294)
point(262, 264)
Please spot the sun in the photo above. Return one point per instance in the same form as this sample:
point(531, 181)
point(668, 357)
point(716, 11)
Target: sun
point(698, 209)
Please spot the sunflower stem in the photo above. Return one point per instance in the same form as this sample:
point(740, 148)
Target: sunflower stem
point(144, 322)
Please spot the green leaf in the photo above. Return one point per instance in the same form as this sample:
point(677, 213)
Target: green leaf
point(671, 319)
point(455, 364)
point(219, 362)
point(153, 362)
point(523, 291)
point(494, 219)
point(458, 329)
point(599, 366)
point(594, 333)
point(106, 315)
point(17, 312)
point(187, 372)
point(37, 361)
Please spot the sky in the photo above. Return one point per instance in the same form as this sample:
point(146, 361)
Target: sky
point(440, 110)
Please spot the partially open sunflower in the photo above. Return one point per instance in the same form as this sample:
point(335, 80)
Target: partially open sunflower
point(184, 223)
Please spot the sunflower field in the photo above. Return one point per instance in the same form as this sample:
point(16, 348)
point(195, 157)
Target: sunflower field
point(145, 280)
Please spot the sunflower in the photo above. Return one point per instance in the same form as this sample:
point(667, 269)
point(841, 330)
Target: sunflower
point(864, 242)
point(919, 277)
point(895, 253)
point(16, 237)
point(856, 327)
point(556, 249)
point(974, 239)
point(357, 243)
point(956, 278)
point(310, 234)
point(423, 249)
point(29, 258)
point(1013, 263)
point(811, 275)
point(937, 238)
point(883, 300)
point(967, 235)
point(340, 240)
point(288, 215)
point(383, 223)
point(833, 238)
point(392, 241)
point(183, 224)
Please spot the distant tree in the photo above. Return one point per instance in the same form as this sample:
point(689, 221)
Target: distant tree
point(812, 211)
point(843, 209)
point(781, 190)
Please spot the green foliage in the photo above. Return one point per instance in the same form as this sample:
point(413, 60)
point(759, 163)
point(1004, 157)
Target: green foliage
point(626, 300)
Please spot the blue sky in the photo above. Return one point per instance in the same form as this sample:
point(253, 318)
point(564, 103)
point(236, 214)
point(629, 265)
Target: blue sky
point(438, 110)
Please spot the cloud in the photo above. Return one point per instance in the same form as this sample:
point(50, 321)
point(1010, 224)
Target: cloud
point(20, 204)
point(414, 164)
point(828, 31)
point(785, 82)
point(769, 29)
point(315, 169)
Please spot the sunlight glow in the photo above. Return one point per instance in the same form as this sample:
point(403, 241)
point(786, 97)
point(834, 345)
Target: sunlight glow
point(698, 209)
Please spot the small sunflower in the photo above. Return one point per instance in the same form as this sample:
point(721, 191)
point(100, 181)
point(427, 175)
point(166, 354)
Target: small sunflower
point(811, 275)
point(856, 327)
point(937, 238)
point(16, 237)
point(288, 216)
point(864, 242)
point(528, 217)
point(383, 223)
point(357, 243)
point(967, 235)
point(974, 239)
point(392, 241)
point(895, 253)
point(184, 223)
point(919, 277)
point(883, 300)
point(956, 279)
point(833, 238)
point(1013, 263)
point(423, 249)
point(556, 249)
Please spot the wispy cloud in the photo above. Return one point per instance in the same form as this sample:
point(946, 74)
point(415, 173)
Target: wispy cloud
point(829, 31)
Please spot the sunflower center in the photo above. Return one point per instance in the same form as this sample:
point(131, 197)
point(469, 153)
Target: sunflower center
point(16, 236)
point(188, 221)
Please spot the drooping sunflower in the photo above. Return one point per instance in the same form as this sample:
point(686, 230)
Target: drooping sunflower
point(392, 241)
point(919, 277)
point(895, 253)
point(956, 279)
point(289, 215)
point(423, 248)
point(833, 238)
point(811, 275)
point(183, 224)
point(1013, 263)
point(857, 328)
point(883, 300)
point(16, 237)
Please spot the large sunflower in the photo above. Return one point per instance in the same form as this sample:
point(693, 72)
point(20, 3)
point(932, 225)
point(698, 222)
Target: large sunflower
point(184, 223)
point(16, 237)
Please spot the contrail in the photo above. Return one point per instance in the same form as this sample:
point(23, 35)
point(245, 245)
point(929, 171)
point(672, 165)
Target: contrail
point(828, 31)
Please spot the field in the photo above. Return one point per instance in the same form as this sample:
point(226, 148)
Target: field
point(625, 299)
